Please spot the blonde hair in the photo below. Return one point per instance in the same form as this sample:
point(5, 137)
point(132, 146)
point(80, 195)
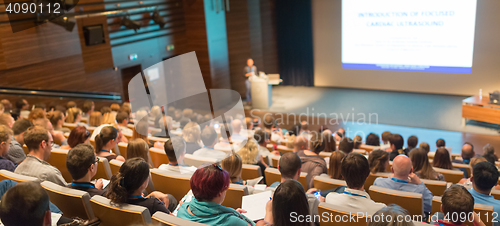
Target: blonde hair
point(5, 133)
point(155, 111)
point(36, 114)
point(115, 107)
point(73, 114)
point(249, 152)
point(191, 132)
point(291, 142)
point(141, 130)
point(138, 148)
point(95, 118)
point(233, 165)
point(109, 118)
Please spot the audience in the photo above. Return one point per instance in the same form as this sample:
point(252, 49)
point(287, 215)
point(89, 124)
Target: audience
point(404, 179)
point(105, 141)
point(484, 178)
point(473, 162)
point(378, 161)
point(233, 165)
point(25, 204)
point(397, 143)
point(372, 139)
point(262, 138)
point(355, 170)
point(288, 201)
point(335, 165)
point(425, 147)
point(122, 120)
point(488, 149)
point(175, 148)
point(71, 104)
point(329, 143)
point(300, 144)
point(88, 108)
point(127, 185)
point(236, 136)
point(467, 154)
point(16, 153)
point(440, 143)
point(38, 140)
point(346, 145)
point(21, 105)
point(442, 159)
point(36, 114)
point(56, 135)
point(386, 137)
point(5, 139)
point(392, 215)
point(412, 143)
point(456, 201)
point(57, 120)
point(192, 135)
point(422, 167)
point(139, 148)
point(490, 158)
point(7, 105)
point(166, 121)
point(74, 116)
point(79, 135)
point(82, 165)
point(95, 119)
point(209, 138)
point(312, 163)
point(270, 127)
point(209, 185)
point(357, 141)
point(6, 119)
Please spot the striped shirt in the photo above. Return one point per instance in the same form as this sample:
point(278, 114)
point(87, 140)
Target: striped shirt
point(35, 167)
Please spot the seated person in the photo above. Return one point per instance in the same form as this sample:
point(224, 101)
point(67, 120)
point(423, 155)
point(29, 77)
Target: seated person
point(127, 185)
point(422, 167)
point(79, 135)
point(456, 201)
point(166, 121)
point(209, 185)
point(404, 179)
point(39, 140)
point(192, 135)
point(57, 119)
point(397, 143)
point(335, 165)
point(346, 145)
point(56, 135)
point(250, 155)
point(288, 200)
point(122, 119)
point(16, 153)
point(389, 215)
point(209, 138)
point(25, 204)
point(82, 165)
point(355, 170)
point(105, 141)
point(262, 139)
point(412, 143)
point(312, 163)
point(5, 139)
point(233, 165)
point(378, 160)
point(139, 148)
point(175, 148)
point(484, 178)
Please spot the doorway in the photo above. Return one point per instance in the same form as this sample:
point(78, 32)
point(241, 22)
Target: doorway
point(127, 75)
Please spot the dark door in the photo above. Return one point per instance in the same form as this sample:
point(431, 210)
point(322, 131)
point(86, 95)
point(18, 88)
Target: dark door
point(127, 75)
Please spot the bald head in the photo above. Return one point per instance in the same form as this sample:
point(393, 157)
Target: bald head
point(236, 124)
point(300, 143)
point(401, 166)
point(467, 151)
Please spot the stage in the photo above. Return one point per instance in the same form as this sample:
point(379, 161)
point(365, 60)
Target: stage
point(429, 116)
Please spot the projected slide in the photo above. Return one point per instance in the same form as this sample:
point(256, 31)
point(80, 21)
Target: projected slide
point(408, 35)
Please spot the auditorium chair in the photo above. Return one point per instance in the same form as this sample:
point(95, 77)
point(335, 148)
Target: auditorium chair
point(325, 154)
point(91, 129)
point(197, 161)
point(126, 214)
point(275, 160)
point(164, 219)
point(249, 172)
point(25, 149)
point(389, 167)
point(70, 126)
point(368, 148)
point(268, 161)
point(122, 147)
point(175, 184)
point(453, 176)
point(114, 166)
point(435, 186)
point(463, 166)
point(495, 193)
point(103, 169)
point(72, 202)
point(234, 195)
point(371, 178)
point(486, 211)
point(408, 200)
point(157, 139)
point(270, 147)
point(92, 142)
point(274, 175)
point(158, 157)
point(333, 212)
point(283, 149)
point(7, 175)
point(360, 151)
point(58, 159)
point(324, 182)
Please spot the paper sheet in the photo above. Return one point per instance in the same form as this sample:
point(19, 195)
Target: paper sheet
point(255, 205)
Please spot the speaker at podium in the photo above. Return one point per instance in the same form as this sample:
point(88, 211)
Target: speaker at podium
point(262, 89)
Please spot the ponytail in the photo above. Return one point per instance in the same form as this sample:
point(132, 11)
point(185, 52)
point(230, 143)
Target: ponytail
point(107, 134)
point(117, 193)
point(132, 175)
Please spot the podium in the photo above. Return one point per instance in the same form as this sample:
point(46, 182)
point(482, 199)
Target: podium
point(262, 90)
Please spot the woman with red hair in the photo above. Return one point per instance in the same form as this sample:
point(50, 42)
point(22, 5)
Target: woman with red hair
point(209, 186)
point(78, 135)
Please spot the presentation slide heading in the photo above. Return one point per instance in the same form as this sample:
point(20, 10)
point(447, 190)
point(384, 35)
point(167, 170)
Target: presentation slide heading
point(409, 14)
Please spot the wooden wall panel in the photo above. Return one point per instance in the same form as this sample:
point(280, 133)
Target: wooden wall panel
point(96, 57)
point(60, 101)
point(269, 36)
point(256, 34)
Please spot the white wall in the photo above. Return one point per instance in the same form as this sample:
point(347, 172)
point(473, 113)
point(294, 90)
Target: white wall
point(328, 66)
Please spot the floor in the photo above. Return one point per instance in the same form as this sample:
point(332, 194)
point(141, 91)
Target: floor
point(429, 116)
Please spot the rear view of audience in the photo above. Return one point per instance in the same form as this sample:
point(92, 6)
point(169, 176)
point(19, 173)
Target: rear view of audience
point(175, 148)
point(372, 139)
point(192, 135)
point(378, 161)
point(209, 138)
point(335, 165)
point(346, 145)
point(79, 135)
point(442, 159)
point(16, 153)
point(57, 120)
point(312, 163)
point(127, 185)
point(95, 119)
point(5, 139)
point(25, 204)
point(209, 185)
point(484, 178)
point(82, 165)
point(422, 166)
point(233, 165)
point(138, 148)
point(288, 200)
point(397, 143)
point(105, 141)
point(392, 215)
point(329, 143)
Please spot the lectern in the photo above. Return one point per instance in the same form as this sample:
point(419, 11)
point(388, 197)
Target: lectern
point(261, 90)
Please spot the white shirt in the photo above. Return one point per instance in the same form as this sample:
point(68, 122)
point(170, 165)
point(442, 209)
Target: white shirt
point(209, 152)
point(178, 169)
point(354, 201)
point(262, 152)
